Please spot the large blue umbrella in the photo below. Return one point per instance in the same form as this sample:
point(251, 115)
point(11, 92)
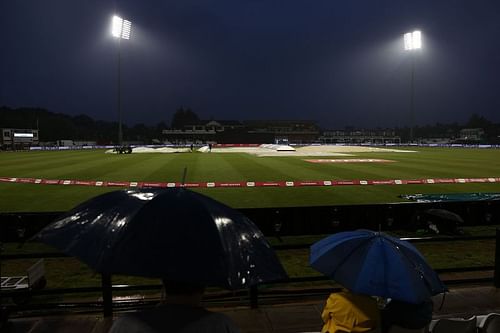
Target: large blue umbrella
point(166, 233)
point(373, 263)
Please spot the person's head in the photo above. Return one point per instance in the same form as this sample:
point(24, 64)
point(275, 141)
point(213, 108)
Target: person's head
point(181, 292)
point(182, 288)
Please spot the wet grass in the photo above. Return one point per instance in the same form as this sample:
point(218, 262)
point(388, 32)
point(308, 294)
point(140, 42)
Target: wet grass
point(96, 165)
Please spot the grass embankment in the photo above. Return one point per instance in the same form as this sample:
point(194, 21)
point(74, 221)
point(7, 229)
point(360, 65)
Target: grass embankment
point(69, 272)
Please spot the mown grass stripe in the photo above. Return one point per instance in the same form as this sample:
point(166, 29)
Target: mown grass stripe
point(223, 167)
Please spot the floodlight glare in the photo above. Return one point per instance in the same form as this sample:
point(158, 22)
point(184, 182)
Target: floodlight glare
point(407, 40)
point(127, 25)
point(416, 39)
point(413, 40)
point(116, 26)
point(120, 28)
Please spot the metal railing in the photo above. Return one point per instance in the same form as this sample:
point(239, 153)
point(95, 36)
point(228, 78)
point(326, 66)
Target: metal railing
point(252, 297)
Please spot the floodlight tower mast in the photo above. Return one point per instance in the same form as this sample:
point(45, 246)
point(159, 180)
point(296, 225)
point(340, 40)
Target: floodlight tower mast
point(412, 42)
point(120, 29)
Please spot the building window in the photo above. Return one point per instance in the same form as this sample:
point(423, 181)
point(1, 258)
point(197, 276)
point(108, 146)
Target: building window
point(6, 134)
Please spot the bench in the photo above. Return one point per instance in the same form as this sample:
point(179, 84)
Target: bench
point(34, 279)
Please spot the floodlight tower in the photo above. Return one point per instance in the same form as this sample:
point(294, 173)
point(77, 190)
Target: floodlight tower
point(412, 43)
point(120, 29)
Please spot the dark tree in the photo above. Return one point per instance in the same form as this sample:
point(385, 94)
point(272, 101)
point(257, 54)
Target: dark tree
point(477, 121)
point(184, 116)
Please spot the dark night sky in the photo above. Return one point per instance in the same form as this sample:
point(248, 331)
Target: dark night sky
point(337, 62)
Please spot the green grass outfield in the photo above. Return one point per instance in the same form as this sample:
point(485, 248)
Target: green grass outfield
point(203, 167)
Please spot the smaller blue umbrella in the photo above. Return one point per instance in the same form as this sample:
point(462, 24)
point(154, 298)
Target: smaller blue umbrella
point(373, 263)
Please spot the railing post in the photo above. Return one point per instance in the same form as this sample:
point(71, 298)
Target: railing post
point(496, 275)
point(254, 297)
point(107, 297)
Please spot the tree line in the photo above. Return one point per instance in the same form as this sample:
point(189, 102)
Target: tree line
point(58, 126)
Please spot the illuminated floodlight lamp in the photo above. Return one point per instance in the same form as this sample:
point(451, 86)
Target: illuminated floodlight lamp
point(120, 28)
point(413, 40)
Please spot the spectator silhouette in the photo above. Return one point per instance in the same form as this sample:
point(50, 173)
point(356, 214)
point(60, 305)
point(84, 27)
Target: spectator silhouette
point(348, 312)
point(181, 312)
point(406, 315)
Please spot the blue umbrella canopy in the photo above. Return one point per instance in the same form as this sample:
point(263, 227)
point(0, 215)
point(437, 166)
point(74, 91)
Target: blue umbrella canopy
point(373, 263)
point(166, 233)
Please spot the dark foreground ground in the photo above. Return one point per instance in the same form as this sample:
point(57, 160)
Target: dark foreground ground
point(304, 316)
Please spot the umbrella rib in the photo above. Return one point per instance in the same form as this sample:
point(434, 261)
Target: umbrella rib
point(350, 253)
point(414, 266)
point(122, 234)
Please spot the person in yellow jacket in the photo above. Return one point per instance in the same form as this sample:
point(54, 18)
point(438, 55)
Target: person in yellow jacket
point(348, 312)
